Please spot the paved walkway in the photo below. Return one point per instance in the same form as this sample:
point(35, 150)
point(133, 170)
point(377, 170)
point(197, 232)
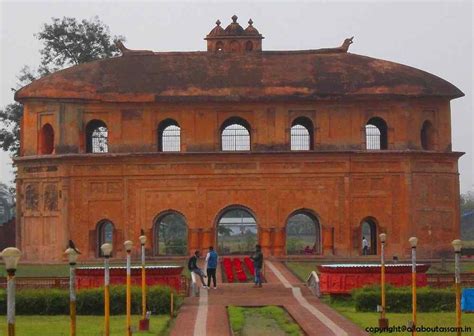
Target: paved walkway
point(207, 315)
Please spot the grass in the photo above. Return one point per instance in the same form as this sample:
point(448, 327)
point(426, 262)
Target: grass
point(62, 270)
point(272, 320)
point(369, 319)
point(86, 325)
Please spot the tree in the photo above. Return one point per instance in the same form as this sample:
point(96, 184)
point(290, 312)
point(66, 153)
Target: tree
point(66, 42)
point(467, 202)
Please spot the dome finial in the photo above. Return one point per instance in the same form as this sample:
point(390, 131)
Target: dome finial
point(234, 18)
point(250, 22)
point(218, 22)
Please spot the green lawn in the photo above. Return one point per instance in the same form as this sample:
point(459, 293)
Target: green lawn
point(86, 325)
point(267, 320)
point(441, 319)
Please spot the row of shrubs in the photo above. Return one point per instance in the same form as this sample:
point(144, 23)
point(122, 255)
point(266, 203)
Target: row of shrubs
point(89, 301)
point(399, 299)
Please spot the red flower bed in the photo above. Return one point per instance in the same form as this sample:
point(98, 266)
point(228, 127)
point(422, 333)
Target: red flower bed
point(239, 270)
point(228, 269)
point(249, 263)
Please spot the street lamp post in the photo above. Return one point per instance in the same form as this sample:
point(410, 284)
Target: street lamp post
point(457, 244)
point(413, 242)
point(106, 251)
point(11, 256)
point(144, 325)
point(72, 254)
point(128, 247)
point(383, 321)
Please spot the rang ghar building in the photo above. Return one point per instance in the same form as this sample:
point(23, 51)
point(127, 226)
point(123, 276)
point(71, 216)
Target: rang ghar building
point(303, 151)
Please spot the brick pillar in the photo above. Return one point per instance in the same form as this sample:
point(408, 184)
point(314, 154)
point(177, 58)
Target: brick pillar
point(278, 241)
point(264, 239)
point(207, 238)
point(193, 240)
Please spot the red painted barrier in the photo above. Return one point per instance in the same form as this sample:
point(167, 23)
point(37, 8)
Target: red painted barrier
point(341, 279)
point(228, 269)
point(91, 277)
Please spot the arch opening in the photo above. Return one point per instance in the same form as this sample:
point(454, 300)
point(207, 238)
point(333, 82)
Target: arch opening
point(105, 234)
point(97, 137)
point(301, 134)
point(237, 231)
point(235, 135)
point(46, 139)
point(376, 134)
point(427, 136)
point(369, 236)
point(303, 234)
point(169, 136)
point(170, 234)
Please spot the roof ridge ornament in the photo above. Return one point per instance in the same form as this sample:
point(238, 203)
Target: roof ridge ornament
point(218, 22)
point(250, 22)
point(234, 18)
point(125, 51)
point(341, 49)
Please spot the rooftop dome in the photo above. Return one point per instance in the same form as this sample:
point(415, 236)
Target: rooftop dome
point(217, 30)
point(251, 30)
point(234, 28)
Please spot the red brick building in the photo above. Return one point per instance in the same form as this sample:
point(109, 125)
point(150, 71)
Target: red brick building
point(194, 146)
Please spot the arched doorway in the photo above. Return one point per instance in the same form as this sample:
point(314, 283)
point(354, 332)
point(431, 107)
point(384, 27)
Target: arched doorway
point(236, 231)
point(369, 232)
point(170, 234)
point(303, 233)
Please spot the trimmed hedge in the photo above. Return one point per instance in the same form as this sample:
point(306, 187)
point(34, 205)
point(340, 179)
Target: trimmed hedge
point(399, 299)
point(89, 301)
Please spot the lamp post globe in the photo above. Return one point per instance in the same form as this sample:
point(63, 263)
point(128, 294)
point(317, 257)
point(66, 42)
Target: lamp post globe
point(11, 256)
point(383, 237)
point(413, 241)
point(128, 244)
point(142, 239)
point(106, 249)
point(72, 255)
point(457, 245)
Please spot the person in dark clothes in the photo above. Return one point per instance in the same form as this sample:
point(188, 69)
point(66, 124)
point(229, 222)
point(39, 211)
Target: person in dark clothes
point(193, 267)
point(211, 260)
point(257, 258)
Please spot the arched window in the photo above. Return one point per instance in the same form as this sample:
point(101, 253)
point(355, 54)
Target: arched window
point(235, 135)
point(376, 136)
point(97, 137)
point(303, 234)
point(427, 136)
point(46, 139)
point(170, 234)
point(219, 46)
point(248, 46)
point(301, 136)
point(369, 234)
point(236, 231)
point(169, 136)
point(234, 46)
point(105, 233)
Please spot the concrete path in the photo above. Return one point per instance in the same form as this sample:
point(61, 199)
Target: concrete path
point(207, 315)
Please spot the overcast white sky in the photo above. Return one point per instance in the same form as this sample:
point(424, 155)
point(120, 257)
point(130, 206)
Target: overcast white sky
point(433, 36)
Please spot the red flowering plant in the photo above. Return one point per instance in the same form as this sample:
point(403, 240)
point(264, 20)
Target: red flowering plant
point(249, 263)
point(226, 262)
point(239, 270)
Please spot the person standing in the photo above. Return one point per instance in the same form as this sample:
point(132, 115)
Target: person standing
point(211, 260)
point(257, 258)
point(193, 267)
point(365, 246)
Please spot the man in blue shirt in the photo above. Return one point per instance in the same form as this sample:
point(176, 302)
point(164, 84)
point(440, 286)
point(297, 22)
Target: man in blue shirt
point(211, 260)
